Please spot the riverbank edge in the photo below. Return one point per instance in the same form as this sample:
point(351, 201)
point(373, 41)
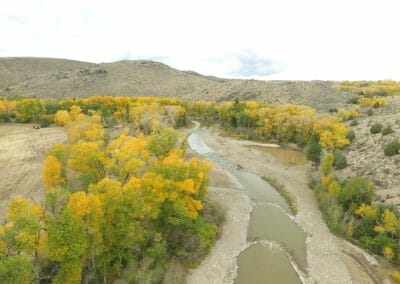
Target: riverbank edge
point(327, 261)
point(220, 265)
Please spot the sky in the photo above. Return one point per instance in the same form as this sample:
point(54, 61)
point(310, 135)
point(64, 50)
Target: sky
point(281, 39)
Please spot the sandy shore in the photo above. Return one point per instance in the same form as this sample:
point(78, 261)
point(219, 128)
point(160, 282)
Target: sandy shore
point(330, 260)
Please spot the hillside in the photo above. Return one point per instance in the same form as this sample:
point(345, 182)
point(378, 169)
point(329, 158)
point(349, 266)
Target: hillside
point(58, 78)
point(366, 156)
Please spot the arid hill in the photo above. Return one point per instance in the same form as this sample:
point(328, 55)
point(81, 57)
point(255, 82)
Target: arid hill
point(57, 78)
point(366, 155)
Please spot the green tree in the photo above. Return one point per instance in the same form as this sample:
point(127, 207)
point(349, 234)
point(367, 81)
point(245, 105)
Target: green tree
point(357, 190)
point(20, 241)
point(121, 230)
point(29, 110)
point(68, 247)
point(163, 142)
point(15, 269)
point(314, 152)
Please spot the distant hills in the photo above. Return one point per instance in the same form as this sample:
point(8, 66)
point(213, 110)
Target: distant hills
point(59, 78)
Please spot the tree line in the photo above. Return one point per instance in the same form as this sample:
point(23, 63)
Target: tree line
point(113, 203)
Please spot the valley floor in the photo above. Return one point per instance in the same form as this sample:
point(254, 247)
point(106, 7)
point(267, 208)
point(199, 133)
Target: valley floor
point(330, 259)
point(22, 152)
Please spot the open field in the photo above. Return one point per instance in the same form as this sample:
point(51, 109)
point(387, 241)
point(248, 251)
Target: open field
point(22, 152)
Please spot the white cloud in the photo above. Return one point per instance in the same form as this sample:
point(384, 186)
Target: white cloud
point(309, 39)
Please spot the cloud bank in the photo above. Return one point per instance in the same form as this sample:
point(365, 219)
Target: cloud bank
point(251, 64)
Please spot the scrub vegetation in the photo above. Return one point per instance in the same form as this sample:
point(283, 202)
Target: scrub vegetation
point(349, 211)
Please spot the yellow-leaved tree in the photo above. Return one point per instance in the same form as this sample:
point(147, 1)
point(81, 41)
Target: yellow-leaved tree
point(89, 160)
point(52, 172)
point(128, 156)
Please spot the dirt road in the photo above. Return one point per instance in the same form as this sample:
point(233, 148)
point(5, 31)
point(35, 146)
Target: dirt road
point(22, 150)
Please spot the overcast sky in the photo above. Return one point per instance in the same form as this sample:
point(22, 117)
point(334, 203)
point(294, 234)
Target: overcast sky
point(281, 39)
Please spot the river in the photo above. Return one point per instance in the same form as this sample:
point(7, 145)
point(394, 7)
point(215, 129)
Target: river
point(276, 251)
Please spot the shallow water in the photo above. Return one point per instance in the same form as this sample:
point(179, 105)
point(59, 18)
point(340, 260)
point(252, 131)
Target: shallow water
point(261, 191)
point(286, 156)
point(262, 262)
point(277, 227)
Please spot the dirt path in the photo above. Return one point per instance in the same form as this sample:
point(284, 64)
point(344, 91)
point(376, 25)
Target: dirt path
point(22, 150)
point(330, 260)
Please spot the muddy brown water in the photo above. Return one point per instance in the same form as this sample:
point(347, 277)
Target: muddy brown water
point(265, 263)
point(277, 245)
point(270, 222)
point(286, 156)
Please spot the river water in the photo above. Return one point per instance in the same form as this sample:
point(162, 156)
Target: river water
point(277, 248)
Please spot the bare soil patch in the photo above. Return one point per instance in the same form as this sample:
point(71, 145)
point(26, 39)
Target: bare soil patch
point(22, 151)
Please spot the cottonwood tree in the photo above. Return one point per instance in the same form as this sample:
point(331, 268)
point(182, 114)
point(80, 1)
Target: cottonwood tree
point(52, 172)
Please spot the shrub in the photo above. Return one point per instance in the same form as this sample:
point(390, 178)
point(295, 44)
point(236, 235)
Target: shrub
point(52, 106)
point(370, 112)
point(339, 160)
point(353, 101)
point(351, 135)
point(396, 276)
point(349, 114)
point(354, 122)
point(392, 148)
point(29, 110)
point(331, 210)
point(357, 190)
point(375, 102)
point(333, 110)
point(363, 228)
point(5, 117)
point(45, 120)
point(387, 130)
point(376, 128)
point(377, 244)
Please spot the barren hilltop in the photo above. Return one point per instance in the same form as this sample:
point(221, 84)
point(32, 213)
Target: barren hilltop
point(58, 78)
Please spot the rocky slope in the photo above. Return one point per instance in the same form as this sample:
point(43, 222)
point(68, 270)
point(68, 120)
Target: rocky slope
point(44, 77)
point(366, 156)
